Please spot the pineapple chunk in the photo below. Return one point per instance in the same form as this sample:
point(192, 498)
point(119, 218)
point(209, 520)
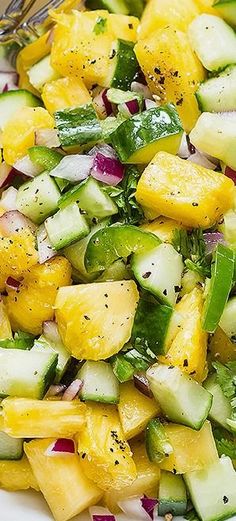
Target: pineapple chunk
point(95, 320)
point(63, 93)
point(185, 191)
point(163, 227)
point(26, 418)
point(105, 455)
point(61, 480)
point(28, 56)
point(160, 13)
point(5, 326)
point(148, 476)
point(221, 348)
point(206, 6)
point(19, 132)
point(189, 347)
point(34, 302)
point(17, 254)
point(172, 71)
point(193, 450)
point(80, 50)
point(17, 475)
point(135, 410)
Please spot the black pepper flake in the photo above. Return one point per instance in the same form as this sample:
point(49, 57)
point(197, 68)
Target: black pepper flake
point(225, 499)
point(86, 317)
point(176, 74)
point(164, 292)
point(194, 204)
point(162, 80)
point(146, 275)
point(106, 306)
point(177, 289)
point(171, 367)
point(157, 70)
point(83, 455)
point(130, 26)
point(179, 101)
point(185, 364)
point(192, 372)
point(174, 471)
point(106, 295)
point(117, 462)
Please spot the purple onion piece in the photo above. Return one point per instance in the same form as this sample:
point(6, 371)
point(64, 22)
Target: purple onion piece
point(12, 283)
point(108, 170)
point(133, 106)
point(229, 172)
point(64, 445)
point(141, 383)
point(72, 391)
point(149, 505)
point(101, 517)
point(107, 103)
point(212, 239)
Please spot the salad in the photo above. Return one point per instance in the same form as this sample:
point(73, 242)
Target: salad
point(117, 261)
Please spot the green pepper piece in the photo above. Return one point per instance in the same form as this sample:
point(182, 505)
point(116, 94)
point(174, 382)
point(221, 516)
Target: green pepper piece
point(122, 369)
point(158, 446)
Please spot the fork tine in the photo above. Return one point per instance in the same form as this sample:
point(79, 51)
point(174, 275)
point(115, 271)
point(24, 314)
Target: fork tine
point(42, 14)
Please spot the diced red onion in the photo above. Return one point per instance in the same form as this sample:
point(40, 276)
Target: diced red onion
point(45, 249)
point(8, 199)
point(73, 168)
point(184, 151)
point(212, 239)
point(200, 159)
point(133, 508)
point(102, 104)
point(141, 383)
point(47, 137)
point(27, 167)
point(54, 390)
point(50, 331)
point(6, 174)
point(8, 81)
point(149, 505)
point(101, 514)
point(229, 172)
point(62, 446)
point(105, 150)
point(149, 104)
point(12, 283)
point(14, 221)
point(108, 170)
point(141, 89)
point(72, 391)
point(130, 108)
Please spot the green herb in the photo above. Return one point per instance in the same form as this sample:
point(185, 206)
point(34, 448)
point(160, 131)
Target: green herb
point(100, 26)
point(129, 210)
point(225, 442)
point(191, 515)
point(192, 246)
point(226, 378)
point(21, 340)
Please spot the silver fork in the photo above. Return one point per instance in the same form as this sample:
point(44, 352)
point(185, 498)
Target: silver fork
point(23, 20)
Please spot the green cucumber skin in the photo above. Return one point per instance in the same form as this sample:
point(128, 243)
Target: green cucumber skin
point(32, 198)
point(45, 157)
point(10, 448)
point(13, 100)
point(145, 128)
point(158, 446)
point(221, 409)
point(123, 370)
point(227, 9)
point(99, 383)
point(126, 66)
point(221, 95)
point(78, 126)
point(151, 324)
point(220, 287)
point(110, 244)
point(172, 495)
point(66, 227)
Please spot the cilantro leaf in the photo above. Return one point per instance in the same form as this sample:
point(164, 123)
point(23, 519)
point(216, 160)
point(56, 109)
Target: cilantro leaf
point(124, 196)
point(100, 26)
point(21, 340)
point(191, 515)
point(191, 245)
point(226, 375)
point(225, 442)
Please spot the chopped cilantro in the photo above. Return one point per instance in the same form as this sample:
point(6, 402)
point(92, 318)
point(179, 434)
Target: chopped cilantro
point(192, 246)
point(21, 340)
point(100, 26)
point(225, 442)
point(226, 378)
point(124, 196)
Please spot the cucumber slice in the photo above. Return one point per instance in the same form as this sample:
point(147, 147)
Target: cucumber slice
point(140, 137)
point(27, 374)
point(37, 199)
point(41, 73)
point(78, 126)
point(219, 288)
point(10, 448)
point(212, 490)
point(227, 9)
point(218, 94)
point(221, 409)
point(228, 318)
point(66, 226)
point(215, 134)
point(125, 65)
point(158, 446)
point(172, 495)
point(151, 325)
point(122, 369)
point(45, 157)
point(159, 271)
point(109, 244)
point(13, 100)
point(99, 383)
point(91, 198)
point(51, 341)
point(113, 6)
point(180, 397)
point(213, 41)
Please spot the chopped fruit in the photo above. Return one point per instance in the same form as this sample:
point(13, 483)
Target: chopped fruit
point(105, 455)
point(17, 255)
point(5, 326)
point(66, 489)
point(184, 191)
point(17, 475)
point(95, 320)
point(30, 55)
point(163, 227)
point(63, 93)
point(19, 132)
point(33, 303)
point(172, 71)
point(162, 13)
point(188, 349)
point(221, 348)
point(135, 410)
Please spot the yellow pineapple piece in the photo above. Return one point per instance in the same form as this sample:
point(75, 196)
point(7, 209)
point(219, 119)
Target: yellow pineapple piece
point(148, 476)
point(17, 254)
point(19, 132)
point(34, 301)
point(163, 227)
point(193, 450)
point(80, 51)
point(185, 191)
point(63, 93)
point(61, 480)
point(106, 457)
point(26, 418)
point(5, 326)
point(174, 13)
point(95, 320)
point(206, 6)
point(135, 410)
point(188, 350)
point(172, 70)
point(17, 475)
point(221, 348)
point(28, 56)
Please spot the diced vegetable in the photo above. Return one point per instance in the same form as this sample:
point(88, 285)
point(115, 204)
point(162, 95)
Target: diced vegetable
point(78, 126)
point(13, 100)
point(37, 199)
point(152, 324)
point(51, 341)
point(66, 226)
point(135, 410)
point(221, 409)
point(41, 73)
point(99, 383)
point(218, 94)
point(172, 495)
point(226, 9)
point(10, 448)
point(158, 445)
point(44, 157)
point(228, 322)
